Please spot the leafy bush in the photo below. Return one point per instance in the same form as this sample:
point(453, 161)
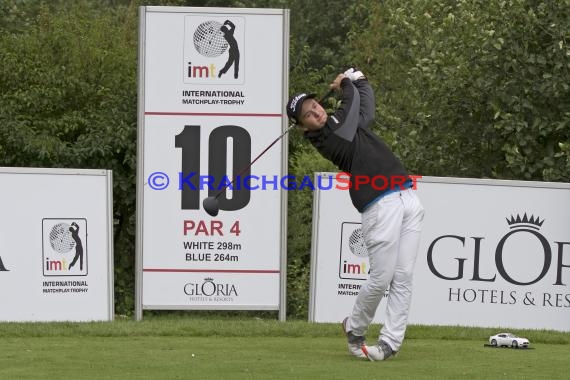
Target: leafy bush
point(471, 88)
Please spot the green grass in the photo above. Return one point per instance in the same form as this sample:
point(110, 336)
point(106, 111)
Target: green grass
point(238, 348)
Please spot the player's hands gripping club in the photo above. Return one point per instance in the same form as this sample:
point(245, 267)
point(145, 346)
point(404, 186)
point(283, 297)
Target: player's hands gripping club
point(354, 74)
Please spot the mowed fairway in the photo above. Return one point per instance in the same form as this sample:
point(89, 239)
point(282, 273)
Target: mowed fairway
point(228, 348)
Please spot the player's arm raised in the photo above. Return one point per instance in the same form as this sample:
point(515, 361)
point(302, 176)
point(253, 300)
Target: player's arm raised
point(346, 117)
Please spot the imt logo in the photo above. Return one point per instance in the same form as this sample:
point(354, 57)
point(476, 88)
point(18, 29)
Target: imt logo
point(64, 247)
point(213, 50)
point(353, 253)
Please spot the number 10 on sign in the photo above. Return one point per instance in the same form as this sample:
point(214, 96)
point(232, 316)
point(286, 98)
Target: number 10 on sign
point(218, 140)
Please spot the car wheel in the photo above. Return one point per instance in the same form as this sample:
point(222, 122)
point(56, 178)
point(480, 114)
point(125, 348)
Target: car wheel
point(515, 344)
point(494, 342)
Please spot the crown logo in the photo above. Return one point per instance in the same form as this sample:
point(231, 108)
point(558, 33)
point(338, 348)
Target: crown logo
point(209, 279)
point(525, 221)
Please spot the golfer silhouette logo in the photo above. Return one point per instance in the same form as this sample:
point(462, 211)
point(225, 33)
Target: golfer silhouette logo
point(74, 229)
point(228, 29)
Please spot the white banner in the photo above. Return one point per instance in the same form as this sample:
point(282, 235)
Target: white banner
point(212, 88)
point(493, 254)
point(56, 251)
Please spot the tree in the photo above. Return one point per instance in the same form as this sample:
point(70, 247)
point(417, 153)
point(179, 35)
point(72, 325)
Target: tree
point(471, 88)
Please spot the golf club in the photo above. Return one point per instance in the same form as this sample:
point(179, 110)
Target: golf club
point(211, 204)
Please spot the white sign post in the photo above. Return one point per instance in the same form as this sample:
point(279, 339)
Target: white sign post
point(493, 254)
point(56, 245)
point(212, 86)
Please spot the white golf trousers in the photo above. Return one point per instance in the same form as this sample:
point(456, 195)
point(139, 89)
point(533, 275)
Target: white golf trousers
point(391, 228)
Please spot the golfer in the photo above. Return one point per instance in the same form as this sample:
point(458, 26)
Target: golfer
point(74, 229)
point(391, 215)
point(228, 29)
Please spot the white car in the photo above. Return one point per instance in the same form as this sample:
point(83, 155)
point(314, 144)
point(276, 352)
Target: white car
point(509, 340)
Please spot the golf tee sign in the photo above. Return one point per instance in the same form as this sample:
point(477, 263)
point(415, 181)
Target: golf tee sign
point(212, 84)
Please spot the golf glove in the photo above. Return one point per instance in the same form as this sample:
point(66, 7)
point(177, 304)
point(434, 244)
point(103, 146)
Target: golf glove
point(354, 74)
point(349, 72)
point(357, 75)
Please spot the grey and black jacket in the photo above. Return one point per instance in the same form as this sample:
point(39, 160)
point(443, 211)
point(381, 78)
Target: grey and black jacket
point(347, 141)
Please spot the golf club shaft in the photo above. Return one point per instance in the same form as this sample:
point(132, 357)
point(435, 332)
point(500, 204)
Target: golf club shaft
point(255, 159)
point(329, 93)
